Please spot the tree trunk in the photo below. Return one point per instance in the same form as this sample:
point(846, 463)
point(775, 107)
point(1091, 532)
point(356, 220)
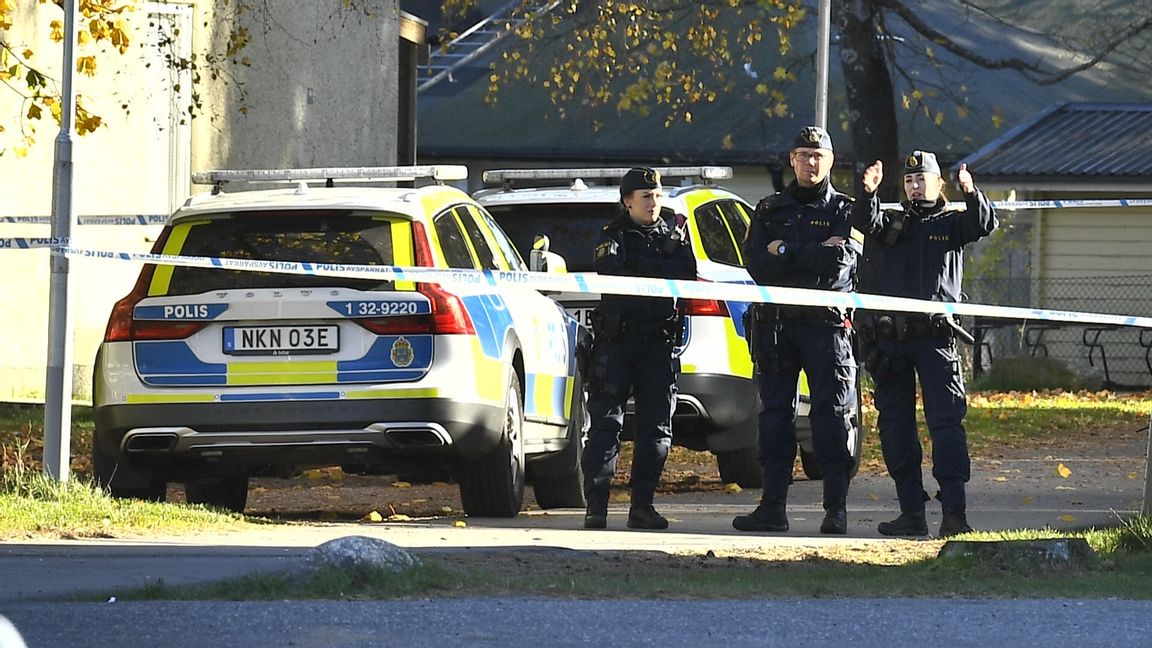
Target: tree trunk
point(871, 112)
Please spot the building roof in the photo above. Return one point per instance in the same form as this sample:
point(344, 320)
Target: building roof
point(1106, 145)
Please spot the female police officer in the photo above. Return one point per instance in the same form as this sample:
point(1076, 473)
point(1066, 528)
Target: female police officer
point(632, 352)
point(801, 237)
point(923, 246)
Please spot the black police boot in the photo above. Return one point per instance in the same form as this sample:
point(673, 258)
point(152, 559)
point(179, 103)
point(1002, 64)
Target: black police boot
point(954, 524)
point(835, 521)
point(596, 516)
point(643, 516)
point(908, 524)
point(768, 516)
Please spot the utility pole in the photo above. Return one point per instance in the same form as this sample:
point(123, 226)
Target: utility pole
point(823, 38)
point(58, 381)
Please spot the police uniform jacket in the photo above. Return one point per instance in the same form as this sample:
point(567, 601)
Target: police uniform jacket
point(803, 219)
point(632, 250)
point(926, 259)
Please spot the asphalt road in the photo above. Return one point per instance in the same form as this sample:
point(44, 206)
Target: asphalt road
point(1096, 487)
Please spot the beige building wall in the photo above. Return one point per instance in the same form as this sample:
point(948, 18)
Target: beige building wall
point(319, 90)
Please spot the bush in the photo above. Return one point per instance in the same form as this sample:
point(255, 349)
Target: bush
point(1027, 373)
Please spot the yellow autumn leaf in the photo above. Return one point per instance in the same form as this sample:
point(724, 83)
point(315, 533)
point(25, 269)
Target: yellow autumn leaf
point(732, 488)
point(1000, 478)
point(374, 516)
point(446, 509)
point(401, 484)
point(1132, 475)
point(314, 474)
point(459, 524)
point(1063, 471)
point(1067, 518)
point(1027, 500)
point(399, 517)
point(727, 144)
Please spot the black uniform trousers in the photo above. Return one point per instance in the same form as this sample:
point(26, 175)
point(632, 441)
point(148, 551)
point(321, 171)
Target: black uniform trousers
point(824, 352)
point(641, 366)
point(934, 359)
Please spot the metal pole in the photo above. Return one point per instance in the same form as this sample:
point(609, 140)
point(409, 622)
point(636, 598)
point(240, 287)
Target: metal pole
point(823, 36)
point(1146, 507)
point(58, 381)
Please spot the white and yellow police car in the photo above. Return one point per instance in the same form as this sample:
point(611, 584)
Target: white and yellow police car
point(717, 406)
point(208, 376)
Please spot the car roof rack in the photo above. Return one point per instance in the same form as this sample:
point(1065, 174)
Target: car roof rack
point(329, 175)
point(505, 177)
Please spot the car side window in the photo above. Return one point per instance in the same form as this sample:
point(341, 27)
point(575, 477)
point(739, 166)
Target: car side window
point(452, 241)
point(716, 237)
point(488, 260)
point(502, 242)
point(737, 215)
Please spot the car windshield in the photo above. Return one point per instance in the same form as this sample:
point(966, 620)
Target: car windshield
point(572, 230)
point(315, 236)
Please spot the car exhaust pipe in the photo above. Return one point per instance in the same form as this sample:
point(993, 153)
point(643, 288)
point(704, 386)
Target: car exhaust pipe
point(151, 442)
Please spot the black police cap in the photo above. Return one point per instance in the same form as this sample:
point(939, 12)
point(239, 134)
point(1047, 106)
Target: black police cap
point(812, 137)
point(921, 162)
point(639, 178)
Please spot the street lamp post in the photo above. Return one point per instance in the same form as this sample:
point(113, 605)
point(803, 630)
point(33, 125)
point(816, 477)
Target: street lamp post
point(58, 379)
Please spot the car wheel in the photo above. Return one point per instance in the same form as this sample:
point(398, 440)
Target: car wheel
point(558, 481)
point(125, 481)
point(229, 493)
point(493, 485)
point(741, 467)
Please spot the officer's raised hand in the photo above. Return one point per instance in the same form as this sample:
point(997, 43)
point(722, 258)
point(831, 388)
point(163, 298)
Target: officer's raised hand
point(964, 178)
point(872, 176)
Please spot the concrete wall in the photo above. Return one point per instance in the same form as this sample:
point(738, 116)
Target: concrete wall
point(319, 90)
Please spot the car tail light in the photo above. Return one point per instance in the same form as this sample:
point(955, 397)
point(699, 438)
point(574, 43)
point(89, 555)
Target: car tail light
point(123, 328)
point(448, 313)
point(706, 307)
point(406, 325)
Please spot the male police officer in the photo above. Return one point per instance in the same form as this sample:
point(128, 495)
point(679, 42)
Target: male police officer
point(632, 351)
point(802, 237)
point(923, 246)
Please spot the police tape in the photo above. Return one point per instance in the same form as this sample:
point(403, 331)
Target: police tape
point(591, 283)
point(1021, 205)
point(1006, 205)
point(125, 219)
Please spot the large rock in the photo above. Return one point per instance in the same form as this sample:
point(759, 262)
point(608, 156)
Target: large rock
point(358, 553)
point(1055, 551)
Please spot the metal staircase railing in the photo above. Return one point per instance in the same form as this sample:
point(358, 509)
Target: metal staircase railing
point(475, 41)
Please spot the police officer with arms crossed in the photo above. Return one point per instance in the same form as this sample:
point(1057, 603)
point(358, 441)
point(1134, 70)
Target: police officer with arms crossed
point(632, 352)
point(801, 237)
point(923, 246)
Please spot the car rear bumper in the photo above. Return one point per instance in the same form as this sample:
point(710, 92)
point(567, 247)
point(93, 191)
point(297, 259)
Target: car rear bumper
point(720, 400)
point(295, 433)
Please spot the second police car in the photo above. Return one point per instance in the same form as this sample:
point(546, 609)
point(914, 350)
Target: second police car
point(208, 376)
point(558, 213)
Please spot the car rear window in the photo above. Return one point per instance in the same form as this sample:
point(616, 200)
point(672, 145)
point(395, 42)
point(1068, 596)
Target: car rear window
point(328, 236)
point(722, 228)
point(572, 230)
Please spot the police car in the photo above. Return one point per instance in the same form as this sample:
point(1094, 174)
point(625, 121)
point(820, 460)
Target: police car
point(208, 376)
point(554, 216)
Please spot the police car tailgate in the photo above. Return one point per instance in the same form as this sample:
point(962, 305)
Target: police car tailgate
point(282, 337)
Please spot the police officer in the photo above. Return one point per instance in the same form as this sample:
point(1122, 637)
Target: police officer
point(802, 237)
point(923, 245)
point(632, 351)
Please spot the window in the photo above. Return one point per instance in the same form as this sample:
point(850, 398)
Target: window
point(321, 236)
point(515, 262)
point(572, 230)
point(452, 241)
point(488, 260)
point(716, 237)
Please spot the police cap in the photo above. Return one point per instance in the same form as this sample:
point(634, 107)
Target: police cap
point(639, 178)
point(812, 137)
point(921, 162)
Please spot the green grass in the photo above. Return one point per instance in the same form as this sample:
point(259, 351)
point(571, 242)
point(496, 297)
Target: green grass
point(1118, 572)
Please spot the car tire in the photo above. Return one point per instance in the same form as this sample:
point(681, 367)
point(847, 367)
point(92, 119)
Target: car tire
point(229, 493)
point(741, 467)
point(110, 475)
point(558, 481)
point(493, 485)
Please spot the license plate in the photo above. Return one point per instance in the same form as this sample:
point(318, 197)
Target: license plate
point(582, 315)
point(281, 340)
